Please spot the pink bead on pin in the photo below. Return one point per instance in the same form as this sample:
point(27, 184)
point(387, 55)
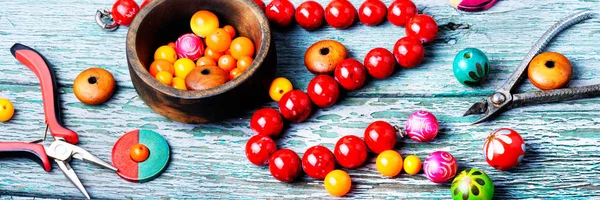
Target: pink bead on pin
point(472, 5)
point(422, 126)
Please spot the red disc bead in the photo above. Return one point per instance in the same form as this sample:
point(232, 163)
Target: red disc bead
point(351, 74)
point(409, 52)
point(259, 149)
point(350, 152)
point(285, 165)
point(422, 27)
point(266, 121)
point(380, 63)
point(260, 4)
point(318, 161)
point(380, 136)
point(123, 11)
point(340, 14)
point(295, 106)
point(400, 12)
point(323, 91)
point(280, 12)
point(310, 15)
point(372, 12)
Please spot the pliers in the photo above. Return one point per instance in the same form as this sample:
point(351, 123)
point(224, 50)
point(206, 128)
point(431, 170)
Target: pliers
point(63, 149)
point(504, 99)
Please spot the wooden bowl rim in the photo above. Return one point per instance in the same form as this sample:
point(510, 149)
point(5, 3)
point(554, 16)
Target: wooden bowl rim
point(145, 76)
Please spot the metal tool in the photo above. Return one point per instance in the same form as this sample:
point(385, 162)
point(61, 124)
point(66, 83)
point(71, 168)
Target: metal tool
point(63, 149)
point(504, 99)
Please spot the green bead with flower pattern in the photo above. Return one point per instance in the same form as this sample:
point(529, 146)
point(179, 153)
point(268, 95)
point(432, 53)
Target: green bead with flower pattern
point(472, 184)
point(471, 66)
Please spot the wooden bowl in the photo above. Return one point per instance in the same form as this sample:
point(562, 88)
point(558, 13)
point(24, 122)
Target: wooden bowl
point(163, 21)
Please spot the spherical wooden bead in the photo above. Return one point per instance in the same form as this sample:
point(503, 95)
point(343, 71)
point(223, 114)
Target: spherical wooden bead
point(422, 126)
point(323, 56)
point(189, 46)
point(94, 86)
point(471, 66)
point(549, 71)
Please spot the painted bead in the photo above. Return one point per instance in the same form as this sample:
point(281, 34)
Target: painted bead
point(549, 71)
point(318, 161)
point(285, 165)
point(471, 66)
point(337, 183)
point(472, 184)
point(412, 164)
point(389, 163)
point(189, 46)
point(422, 27)
point(504, 149)
point(350, 152)
point(259, 149)
point(440, 167)
point(380, 136)
point(472, 5)
point(266, 121)
point(422, 126)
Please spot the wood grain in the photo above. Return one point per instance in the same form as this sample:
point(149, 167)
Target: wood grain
point(208, 160)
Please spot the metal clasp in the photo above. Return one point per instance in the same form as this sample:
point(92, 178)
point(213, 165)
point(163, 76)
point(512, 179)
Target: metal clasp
point(105, 21)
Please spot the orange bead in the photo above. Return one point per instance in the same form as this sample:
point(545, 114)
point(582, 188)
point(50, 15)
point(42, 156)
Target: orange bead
point(227, 63)
point(389, 163)
point(205, 61)
point(139, 153)
point(337, 183)
point(161, 65)
point(228, 52)
point(171, 44)
point(244, 63)
point(179, 83)
point(235, 73)
point(550, 70)
point(204, 22)
point(230, 30)
point(219, 40)
point(165, 53)
point(241, 46)
point(213, 54)
point(164, 77)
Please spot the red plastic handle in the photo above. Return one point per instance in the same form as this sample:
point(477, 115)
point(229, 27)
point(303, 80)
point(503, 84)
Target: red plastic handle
point(37, 63)
point(33, 151)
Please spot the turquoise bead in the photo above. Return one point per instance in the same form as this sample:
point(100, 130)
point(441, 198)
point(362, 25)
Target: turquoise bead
point(471, 66)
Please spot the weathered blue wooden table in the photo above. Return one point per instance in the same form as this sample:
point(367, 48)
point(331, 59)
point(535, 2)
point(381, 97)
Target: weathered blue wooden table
point(208, 161)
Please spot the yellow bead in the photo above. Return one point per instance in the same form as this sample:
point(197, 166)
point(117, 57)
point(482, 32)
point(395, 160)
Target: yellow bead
point(179, 83)
point(183, 66)
point(165, 53)
point(164, 77)
point(279, 87)
point(337, 183)
point(6, 110)
point(389, 163)
point(412, 165)
point(204, 22)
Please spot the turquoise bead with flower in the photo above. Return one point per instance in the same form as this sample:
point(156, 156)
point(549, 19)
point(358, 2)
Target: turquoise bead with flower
point(471, 66)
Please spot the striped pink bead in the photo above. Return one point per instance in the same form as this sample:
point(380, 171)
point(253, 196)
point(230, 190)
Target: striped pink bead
point(189, 46)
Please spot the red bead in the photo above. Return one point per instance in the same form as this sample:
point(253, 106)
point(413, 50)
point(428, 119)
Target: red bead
point(318, 161)
point(323, 90)
point(340, 14)
point(351, 74)
point(422, 27)
point(350, 152)
point(409, 52)
point(123, 11)
point(260, 4)
point(504, 149)
point(380, 63)
point(285, 165)
point(144, 4)
point(295, 106)
point(266, 121)
point(400, 12)
point(280, 12)
point(380, 136)
point(372, 12)
point(309, 15)
point(259, 149)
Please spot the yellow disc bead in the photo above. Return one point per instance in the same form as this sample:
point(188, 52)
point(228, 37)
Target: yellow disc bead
point(6, 110)
point(179, 83)
point(183, 67)
point(165, 53)
point(279, 87)
point(389, 163)
point(412, 165)
point(165, 78)
point(337, 183)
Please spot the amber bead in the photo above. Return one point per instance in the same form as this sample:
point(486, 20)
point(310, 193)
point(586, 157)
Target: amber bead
point(94, 86)
point(323, 56)
point(550, 70)
point(206, 77)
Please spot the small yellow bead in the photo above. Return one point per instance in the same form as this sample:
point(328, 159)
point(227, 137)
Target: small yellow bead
point(6, 110)
point(179, 83)
point(183, 67)
point(164, 77)
point(279, 87)
point(165, 53)
point(337, 183)
point(389, 163)
point(412, 165)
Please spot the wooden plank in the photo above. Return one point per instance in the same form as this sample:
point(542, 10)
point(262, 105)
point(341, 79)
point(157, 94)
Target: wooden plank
point(208, 161)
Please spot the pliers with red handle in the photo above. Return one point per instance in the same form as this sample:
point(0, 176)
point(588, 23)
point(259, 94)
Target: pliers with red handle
point(63, 149)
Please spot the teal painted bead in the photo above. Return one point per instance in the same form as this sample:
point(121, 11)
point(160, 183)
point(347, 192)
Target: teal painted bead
point(471, 66)
point(472, 184)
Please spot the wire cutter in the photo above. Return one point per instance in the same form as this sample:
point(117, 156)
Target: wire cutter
point(504, 99)
point(63, 149)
